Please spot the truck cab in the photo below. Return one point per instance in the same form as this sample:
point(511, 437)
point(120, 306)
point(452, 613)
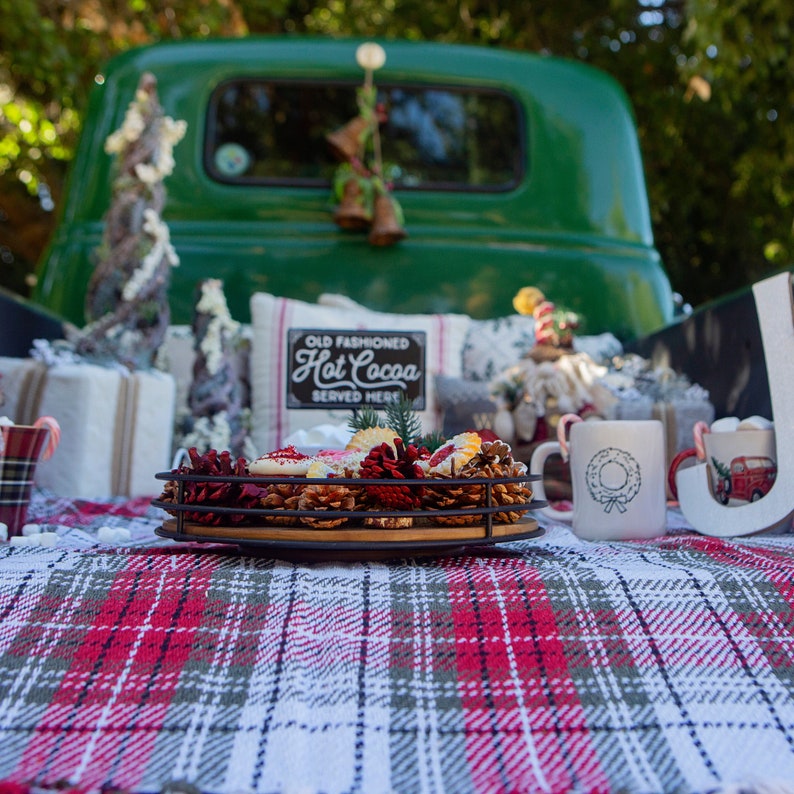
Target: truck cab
point(750, 478)
point(512, 170)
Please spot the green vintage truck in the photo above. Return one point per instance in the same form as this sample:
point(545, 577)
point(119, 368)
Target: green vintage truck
point(512, 170)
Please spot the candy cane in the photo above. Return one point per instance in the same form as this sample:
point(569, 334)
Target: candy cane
point(544, 324)
point(562, 426)
point(698, 431)
point(51, 424)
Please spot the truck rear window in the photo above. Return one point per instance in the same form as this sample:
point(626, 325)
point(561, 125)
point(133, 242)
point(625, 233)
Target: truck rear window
point(273, 132)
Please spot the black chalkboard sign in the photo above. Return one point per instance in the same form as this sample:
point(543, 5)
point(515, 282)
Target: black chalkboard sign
point(349, 369)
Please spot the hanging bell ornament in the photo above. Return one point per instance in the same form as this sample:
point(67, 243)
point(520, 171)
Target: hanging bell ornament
point(351, 212)
point(345, 142)
point(385, 228)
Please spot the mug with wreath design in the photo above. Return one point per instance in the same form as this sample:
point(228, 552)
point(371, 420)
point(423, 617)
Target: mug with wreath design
point(618, 477)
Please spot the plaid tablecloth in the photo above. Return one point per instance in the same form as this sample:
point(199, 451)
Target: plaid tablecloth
point(548, 665)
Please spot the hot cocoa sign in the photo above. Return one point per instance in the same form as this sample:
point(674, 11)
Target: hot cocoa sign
point(347, 369)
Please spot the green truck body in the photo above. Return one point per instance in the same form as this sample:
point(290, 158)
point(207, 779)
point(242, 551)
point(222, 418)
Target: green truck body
point(568, 213)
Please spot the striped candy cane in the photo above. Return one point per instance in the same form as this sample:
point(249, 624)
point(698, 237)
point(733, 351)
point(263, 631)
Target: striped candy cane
point(698, 431)
point(562, 436)
point(544, 324)
point(51, 423)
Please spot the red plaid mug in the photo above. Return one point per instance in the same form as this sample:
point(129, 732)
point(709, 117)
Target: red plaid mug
point(23, 447)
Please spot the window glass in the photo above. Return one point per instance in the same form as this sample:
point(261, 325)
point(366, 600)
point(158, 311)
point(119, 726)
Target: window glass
point(269, 132)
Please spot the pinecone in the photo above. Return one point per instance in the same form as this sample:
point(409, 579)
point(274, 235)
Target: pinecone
point(513, 493)
point(321, 497)
point(385, 462)
point(494, 460)
point(283, 496)
point(218, 493)
point(449, 497)
point(170, 494)
point(453, 497)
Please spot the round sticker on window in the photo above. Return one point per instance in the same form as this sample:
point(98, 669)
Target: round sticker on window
point(231, 159)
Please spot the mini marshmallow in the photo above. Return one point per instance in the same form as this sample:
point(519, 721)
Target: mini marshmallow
point(21, 540)
point(123, 535)
point(31, 529)
point(755, 423)
point(728, 424)
point(114, 535)
point(106, 535)
point(3, 531)
point(48, 539)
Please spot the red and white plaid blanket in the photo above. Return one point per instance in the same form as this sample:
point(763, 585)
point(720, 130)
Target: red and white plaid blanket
point(548, 665)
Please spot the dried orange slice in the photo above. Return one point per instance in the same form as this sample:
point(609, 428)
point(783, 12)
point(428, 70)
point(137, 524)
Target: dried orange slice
point(319, 468)
point(371, 437)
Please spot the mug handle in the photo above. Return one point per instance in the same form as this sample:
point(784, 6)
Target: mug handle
point(537, 463)
point(685, 454)
point(51, 424)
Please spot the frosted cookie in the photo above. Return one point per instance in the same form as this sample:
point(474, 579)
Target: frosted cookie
point(336, 463)
point(286, 462)
point(452, 456)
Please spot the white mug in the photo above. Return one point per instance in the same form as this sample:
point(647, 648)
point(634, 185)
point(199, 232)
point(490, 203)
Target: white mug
point(618, 476)
point(741, 459)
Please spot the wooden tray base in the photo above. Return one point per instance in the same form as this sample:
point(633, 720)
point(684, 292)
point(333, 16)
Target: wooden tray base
point(334, 542)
